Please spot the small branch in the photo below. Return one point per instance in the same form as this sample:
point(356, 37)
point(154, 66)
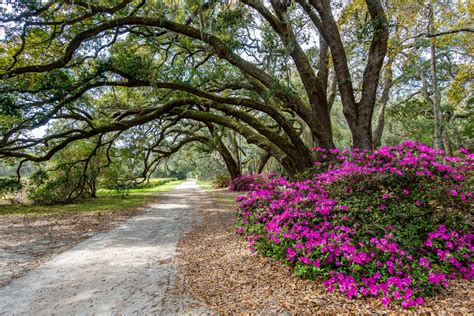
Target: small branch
point(469, 30)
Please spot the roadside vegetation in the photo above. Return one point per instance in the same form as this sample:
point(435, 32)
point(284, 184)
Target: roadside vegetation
point(395, 224)
point(154, 185)
point(106, 201)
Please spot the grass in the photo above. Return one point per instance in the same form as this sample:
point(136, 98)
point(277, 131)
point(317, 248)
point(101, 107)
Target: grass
point(103, 203)
point(160, 188)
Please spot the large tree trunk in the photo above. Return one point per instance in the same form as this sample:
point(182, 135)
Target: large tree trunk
point(358, 114)
point(317, 118)
point(362, 135)
point(387, 84)
point(235, 148)
point(232, 166)
point(438, 116)
point(263, 162)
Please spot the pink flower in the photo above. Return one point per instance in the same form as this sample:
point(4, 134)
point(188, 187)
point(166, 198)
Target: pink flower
point(424, 262)
point(374, 290)
point(316, 218)
point(436, 278)
point(351, 292)
point(304, 260)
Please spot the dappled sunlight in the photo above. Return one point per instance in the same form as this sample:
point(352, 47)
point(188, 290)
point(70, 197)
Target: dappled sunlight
point(169, 206)
point(128, 268)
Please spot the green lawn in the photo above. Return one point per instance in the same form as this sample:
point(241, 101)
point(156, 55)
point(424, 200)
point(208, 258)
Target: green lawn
point(104, 202)
point(160, 188)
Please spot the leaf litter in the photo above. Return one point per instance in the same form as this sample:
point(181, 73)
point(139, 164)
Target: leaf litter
point(218, 270)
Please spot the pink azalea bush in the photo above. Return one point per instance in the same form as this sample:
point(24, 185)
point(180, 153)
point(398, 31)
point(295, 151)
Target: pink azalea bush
point(248, 182)
point(395, 223)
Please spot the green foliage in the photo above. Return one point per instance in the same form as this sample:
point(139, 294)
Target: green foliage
point(193, 161)
point(400, 215)
point(161, 188)
point(9, 185)
point(52, 187)
point(131, 186)
point(70, 174)
point(411, 119)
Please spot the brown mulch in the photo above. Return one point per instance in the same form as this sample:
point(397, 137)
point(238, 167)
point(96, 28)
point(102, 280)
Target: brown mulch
point(28, 241)
point(220, 272)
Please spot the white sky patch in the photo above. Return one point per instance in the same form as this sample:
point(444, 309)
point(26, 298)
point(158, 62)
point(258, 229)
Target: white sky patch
point(39, 132)
point(5, 7)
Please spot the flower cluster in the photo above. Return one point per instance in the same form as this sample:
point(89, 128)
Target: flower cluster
point(249, 182)
point(393, 223)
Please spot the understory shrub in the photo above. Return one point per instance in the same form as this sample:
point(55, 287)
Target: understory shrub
point(61, 185)
point(395, 223)
point(222, 181)
point(9, 186)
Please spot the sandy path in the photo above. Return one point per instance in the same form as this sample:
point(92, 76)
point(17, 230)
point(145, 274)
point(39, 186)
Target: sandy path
point(125, 270)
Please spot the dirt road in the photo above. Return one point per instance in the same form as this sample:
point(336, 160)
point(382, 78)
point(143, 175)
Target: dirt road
point(125, 270)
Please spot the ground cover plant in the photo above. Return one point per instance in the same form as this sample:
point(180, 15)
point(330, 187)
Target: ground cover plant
point(395, 223)
point(107, 200)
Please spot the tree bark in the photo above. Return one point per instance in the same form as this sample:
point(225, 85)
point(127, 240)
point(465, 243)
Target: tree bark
point(387, 85)
point(438, 116)
point(317, 117)
point(263, 162)
point(232, 166)
point(235, 147)
point(232, 162)
point(358, 114)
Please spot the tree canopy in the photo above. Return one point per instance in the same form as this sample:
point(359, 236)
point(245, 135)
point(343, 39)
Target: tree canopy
point(249, 80)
